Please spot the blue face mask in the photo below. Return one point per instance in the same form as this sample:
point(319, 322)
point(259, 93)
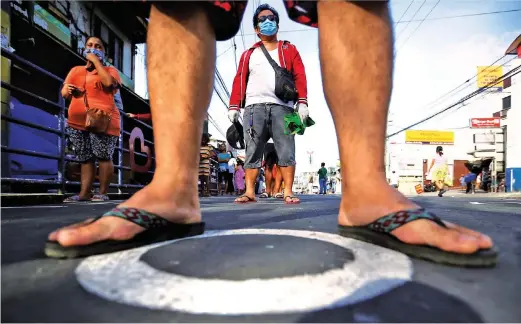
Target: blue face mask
point(96, 52)
point(268, 27)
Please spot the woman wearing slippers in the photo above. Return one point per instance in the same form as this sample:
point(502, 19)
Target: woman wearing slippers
point(93, 87)
point(370, 209)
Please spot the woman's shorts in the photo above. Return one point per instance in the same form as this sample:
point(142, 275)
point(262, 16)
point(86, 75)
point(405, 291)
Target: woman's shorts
point(88, 146)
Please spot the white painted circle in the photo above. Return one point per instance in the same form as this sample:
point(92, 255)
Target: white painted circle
point(123, 278)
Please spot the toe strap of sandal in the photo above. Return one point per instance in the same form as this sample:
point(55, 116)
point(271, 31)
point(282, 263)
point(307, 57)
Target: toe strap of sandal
point(392, 221)
point(139, 217)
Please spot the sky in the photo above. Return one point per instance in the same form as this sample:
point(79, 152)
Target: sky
point(432, 58)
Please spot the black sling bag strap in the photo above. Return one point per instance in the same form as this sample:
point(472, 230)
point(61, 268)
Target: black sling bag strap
point(285, 88)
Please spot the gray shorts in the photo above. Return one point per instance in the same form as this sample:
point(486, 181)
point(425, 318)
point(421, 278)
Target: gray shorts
point(267, 122)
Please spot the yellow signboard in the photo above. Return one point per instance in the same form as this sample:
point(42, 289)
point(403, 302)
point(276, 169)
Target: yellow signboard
point(488, 75)
point(429, 137)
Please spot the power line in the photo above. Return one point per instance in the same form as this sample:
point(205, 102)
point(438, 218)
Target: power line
point(467, 83)
point(412, 1)
point(418, 26)
point(473, 94)
point(302, 30)
point(398, 36)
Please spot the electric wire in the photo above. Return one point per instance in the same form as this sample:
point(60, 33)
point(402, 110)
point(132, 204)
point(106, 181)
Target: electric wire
point(464, 99)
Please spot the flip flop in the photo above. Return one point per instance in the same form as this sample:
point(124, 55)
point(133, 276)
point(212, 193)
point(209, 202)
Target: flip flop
point(75, 198)
point(100, 198)
point(264, 195)
point(157, 229)
point(378, 233)
point(291, 202)
point(250, 200)
point(279, 196)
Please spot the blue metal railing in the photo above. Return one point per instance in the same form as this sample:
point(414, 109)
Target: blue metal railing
point(59, 108)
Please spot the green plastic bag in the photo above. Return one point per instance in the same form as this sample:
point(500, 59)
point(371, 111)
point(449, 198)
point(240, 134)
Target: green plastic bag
point(293, 124)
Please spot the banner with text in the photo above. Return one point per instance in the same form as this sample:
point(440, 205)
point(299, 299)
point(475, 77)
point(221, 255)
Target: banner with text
point(485, 122)
point(429, 137)
point(488, 75)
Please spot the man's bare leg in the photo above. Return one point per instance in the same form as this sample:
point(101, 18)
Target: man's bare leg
point(356, 52)
point(181, 56)
point(288, 176)
point(251, 178)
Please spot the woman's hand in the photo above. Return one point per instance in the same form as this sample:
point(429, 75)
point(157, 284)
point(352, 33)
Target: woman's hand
point(72, 90)
point(93, 59)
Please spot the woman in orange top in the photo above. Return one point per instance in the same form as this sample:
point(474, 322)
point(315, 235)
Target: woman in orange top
point(99, 83)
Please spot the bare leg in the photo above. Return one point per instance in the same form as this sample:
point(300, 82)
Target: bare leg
point(288, 175)
point(277, 185)
point(181, 56)
point(269, 181)
point(251, 178)
point(88, 173)
point(106, 170)
point(359, 35)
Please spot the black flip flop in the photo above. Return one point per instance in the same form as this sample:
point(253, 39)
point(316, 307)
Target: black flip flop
point(250, 200)
point(157, 229)
point(378, 233)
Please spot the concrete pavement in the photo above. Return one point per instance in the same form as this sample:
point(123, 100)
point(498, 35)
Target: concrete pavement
point(264, 262)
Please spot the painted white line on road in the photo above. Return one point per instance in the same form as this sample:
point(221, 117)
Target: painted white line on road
point(476, 203)
point(122, 277)
point(28, 207)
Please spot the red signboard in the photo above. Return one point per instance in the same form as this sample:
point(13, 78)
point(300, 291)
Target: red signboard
point(490, 122)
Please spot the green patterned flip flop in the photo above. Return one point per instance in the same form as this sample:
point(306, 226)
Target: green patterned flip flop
point(157, 229)
point(378, 233)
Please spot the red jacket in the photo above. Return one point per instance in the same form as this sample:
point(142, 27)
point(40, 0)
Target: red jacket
point(289, 58)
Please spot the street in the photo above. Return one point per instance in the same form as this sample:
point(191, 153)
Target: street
point(264, 262)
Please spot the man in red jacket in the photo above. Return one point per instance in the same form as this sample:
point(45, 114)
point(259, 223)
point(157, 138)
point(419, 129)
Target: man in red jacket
point(254, 90)
point(356, 56)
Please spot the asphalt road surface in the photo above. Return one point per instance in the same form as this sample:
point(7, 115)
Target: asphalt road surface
point(264, 262)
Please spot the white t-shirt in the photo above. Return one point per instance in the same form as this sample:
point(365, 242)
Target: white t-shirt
point(439, 161)
point(231, 165)
point(261, 81)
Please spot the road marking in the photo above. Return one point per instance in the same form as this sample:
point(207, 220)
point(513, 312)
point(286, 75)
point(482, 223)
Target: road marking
point(476, 203)
point(24, 207)
point(123, 278)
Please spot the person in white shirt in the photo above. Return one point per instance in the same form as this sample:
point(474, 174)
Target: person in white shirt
point(394, 179)
point(440, 168)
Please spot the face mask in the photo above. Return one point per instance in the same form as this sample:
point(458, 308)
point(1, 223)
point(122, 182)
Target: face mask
point(94, 51)
point(268, 27)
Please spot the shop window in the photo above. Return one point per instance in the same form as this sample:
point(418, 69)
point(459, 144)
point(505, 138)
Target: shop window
point(507, 102)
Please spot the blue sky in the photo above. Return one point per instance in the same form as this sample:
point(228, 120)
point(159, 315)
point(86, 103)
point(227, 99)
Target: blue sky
point(431, 60)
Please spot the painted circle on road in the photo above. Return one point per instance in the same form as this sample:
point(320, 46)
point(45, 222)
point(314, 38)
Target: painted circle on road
point(123, 277)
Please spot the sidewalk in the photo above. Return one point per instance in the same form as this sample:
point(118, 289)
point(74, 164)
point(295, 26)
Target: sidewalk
point(480, 194)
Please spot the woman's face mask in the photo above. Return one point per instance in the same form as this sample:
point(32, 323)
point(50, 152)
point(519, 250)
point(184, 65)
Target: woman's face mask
point(94, 51)
point(268, 27)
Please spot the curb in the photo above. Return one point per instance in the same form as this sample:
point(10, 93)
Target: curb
point(12, 200)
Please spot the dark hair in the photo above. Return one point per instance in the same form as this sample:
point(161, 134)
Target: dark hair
point(205, 140)
point(101, 40)
point(439, 149)
point(263, 7)
point(323, 164)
